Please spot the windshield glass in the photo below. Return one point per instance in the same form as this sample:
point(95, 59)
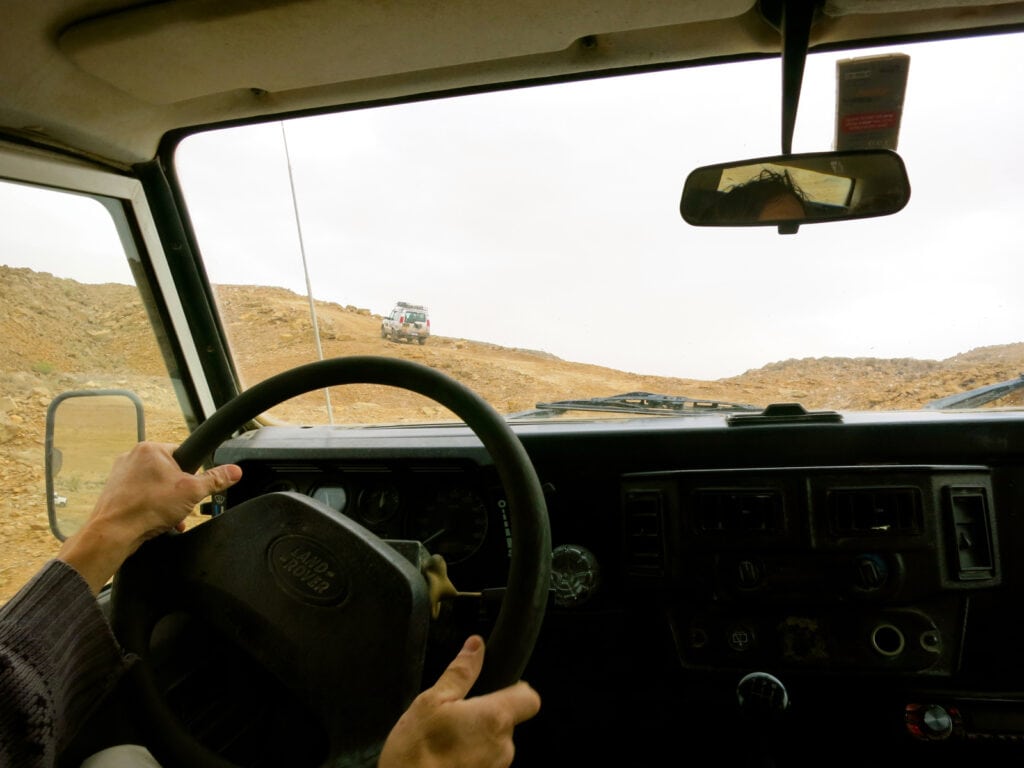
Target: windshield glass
point(541, 227)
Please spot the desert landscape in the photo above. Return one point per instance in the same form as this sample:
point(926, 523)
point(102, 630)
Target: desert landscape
point(61, 335)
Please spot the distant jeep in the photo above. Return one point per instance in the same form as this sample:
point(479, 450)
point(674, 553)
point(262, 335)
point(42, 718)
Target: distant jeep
point(406, 322)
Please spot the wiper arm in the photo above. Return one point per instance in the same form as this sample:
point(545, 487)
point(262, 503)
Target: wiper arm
point(638, 403)
point(976, 397)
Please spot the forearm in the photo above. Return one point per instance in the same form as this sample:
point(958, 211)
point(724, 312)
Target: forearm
point(58, 658)
point(96, 553)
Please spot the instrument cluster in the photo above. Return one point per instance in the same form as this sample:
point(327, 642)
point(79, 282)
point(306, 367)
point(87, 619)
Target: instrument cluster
point(455, 511)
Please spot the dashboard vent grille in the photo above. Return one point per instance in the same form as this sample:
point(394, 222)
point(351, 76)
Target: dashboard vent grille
point(738, 510)
point(645, 554)
point(858, 511)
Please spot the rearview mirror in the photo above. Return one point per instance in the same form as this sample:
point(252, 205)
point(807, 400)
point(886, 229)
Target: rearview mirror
point(85, 431)
point(790, 190)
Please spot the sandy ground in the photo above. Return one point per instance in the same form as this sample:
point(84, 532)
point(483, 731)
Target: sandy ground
point(60, 335)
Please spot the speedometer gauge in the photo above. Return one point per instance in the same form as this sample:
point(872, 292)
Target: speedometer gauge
point(333, 496)
point(452, 523)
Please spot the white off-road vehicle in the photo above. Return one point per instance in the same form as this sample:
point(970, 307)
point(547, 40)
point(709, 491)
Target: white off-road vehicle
point(406, 322)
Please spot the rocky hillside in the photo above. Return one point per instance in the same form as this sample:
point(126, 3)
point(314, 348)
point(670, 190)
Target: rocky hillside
point(59, 335)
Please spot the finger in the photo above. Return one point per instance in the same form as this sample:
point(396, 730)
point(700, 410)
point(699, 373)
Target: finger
point(518, 700)
point(463, 671)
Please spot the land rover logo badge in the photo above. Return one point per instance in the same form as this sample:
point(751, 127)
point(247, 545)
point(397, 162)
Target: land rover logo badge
point(306, 570)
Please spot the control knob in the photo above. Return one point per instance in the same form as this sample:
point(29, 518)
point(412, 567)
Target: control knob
point(575, 575)
point(931, 722)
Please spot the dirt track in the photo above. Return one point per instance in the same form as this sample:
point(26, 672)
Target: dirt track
point(104, 340)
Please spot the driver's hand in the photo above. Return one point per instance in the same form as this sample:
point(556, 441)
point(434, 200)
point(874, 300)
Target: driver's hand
point(443, 728)
point(145, 495)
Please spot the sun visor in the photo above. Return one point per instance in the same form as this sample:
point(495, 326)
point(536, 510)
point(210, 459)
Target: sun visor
point(170, 52)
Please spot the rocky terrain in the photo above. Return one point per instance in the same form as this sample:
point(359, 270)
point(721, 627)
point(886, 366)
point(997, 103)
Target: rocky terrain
point(60, 335)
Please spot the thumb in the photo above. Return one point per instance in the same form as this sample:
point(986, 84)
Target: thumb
point(455, 682)
point(219, 478)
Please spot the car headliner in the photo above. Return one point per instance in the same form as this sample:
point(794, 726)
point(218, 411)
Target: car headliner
point(107, 79)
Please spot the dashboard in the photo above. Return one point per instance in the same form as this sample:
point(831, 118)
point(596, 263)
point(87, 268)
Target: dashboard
point(785, 582)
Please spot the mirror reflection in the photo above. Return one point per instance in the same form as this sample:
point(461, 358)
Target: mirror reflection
point(796, 189)
point(85, 431)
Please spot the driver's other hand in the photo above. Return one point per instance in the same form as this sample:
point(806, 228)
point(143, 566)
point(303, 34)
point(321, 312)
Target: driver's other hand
point(444, 728)
point(145, 495)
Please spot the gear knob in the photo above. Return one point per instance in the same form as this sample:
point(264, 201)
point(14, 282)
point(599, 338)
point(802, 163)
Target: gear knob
point(760, 694)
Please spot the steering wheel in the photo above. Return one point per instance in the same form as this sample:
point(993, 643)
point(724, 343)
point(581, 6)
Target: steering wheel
point(338, 616)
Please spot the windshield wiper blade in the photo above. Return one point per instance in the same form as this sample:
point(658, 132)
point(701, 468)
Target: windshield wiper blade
point(976, 397)
point(638, 403)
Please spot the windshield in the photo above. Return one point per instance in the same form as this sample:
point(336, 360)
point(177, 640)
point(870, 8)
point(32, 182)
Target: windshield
point(541, 227)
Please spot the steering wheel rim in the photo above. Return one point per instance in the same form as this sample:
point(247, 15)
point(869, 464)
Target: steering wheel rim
point(519, 619)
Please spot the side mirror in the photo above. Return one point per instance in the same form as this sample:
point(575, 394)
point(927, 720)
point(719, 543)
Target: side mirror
point(789, 190)
point(85, 431)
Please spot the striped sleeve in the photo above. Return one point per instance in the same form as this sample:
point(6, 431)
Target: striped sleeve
point(58, 659)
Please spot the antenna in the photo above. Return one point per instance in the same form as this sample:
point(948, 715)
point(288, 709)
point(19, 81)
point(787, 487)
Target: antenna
point(305, 269)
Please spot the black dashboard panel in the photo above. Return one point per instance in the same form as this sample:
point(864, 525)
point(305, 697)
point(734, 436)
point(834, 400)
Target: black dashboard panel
point(866, 566)
point(855, 568)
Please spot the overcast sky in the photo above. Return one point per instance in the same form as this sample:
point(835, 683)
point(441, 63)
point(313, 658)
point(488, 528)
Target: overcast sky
point(548, 219)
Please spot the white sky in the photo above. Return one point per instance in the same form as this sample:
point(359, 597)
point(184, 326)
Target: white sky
point(548, 219)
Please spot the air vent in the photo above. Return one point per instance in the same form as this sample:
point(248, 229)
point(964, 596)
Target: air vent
point(645, 553)
point(737, 510)
point(874, 511)
point(968, 510)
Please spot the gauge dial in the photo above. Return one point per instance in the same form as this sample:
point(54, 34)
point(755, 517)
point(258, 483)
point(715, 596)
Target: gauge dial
point(452, 523)
point(333, 496)
point(378, 504)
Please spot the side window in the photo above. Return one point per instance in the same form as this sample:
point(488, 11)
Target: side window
point(72, 319)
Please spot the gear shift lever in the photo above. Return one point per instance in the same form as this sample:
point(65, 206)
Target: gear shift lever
point(762, 700)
